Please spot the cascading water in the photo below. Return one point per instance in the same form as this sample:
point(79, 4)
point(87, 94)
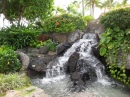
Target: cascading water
point(84, 48)
point(57, 84)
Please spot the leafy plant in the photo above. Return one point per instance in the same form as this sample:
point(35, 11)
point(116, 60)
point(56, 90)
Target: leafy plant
point(9, 61)
point(117, 18)
point(114, 45)
point(15, 10)
point(18, 37)
point(63, 24)
point(48, 43)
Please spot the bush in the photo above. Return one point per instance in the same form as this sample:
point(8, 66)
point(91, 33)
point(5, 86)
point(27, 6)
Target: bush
point(117, 18)
point(51, 46)
point(18, 37)
point(115, 46)
point(13, 81)
point(88, 18)
point(9, 61)
point(63, 24)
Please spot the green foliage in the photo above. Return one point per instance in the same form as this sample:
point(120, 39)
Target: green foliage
point(63, 24)
point(29, 9)
point(48, 43)
point(9, 61)
point(18, 37)
point(115, 46)
point(13, 81)
point(117, 18)
point(88, 18)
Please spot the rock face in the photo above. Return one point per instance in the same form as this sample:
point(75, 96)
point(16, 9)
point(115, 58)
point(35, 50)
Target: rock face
point(38, 64)
point(43, 50)
point(25, 60)
point(74, 36)
point(94, 27)
point(61, 48)
point(59, 37)
point(35, 92)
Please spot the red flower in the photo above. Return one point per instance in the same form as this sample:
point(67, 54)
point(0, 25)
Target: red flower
point(57, 23)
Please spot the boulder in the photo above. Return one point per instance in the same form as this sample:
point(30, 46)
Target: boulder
point(72, 62)
point(33, 50)
point(49, 58)
point(38, 64)
point(59, 37)
point(74, 36)
point(95, 27)
point(24, 60)
point(43, 50)
point(62, 47)
point(34, 92)
point(75, 76)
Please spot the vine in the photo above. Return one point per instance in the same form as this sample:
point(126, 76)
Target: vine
point(115, 46)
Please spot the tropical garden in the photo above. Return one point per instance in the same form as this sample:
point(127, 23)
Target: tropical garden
point(43, 17)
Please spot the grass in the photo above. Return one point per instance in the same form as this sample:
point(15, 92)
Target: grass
point(13, 81)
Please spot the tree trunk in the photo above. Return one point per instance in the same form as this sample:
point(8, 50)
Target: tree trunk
point(92, 7)
point(19, 15)
point(83, 7)
point(3, 10)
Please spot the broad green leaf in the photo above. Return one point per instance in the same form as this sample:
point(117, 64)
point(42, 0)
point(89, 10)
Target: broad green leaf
point(102, 51)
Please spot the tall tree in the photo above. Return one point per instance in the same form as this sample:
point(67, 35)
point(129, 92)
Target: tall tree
point(15, 10)
point(92, 4)
point(74, 7)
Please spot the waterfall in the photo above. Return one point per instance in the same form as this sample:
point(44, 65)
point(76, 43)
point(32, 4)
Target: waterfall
point(84, 47)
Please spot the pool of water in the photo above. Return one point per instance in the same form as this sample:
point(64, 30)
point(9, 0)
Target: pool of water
point(61, 86)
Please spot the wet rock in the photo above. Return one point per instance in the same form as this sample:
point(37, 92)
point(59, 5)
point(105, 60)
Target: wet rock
point(95, 52)
point(95, 27)
point(72, 62)
point(74, 36)
point(43, 50)
point(80, 82)
point(61, 48)
point(75, 76)
point(38, 64)
point(49, 58)
point(24, 60)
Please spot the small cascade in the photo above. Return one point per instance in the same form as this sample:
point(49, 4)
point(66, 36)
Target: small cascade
point(84, 48)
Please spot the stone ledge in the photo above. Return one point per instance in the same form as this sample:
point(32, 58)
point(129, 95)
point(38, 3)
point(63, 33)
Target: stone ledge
point(31, 91)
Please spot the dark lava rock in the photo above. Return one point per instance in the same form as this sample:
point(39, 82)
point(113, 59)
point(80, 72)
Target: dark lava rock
point(61, 48)
point(72, 62)
point(43, 50)
point(38, 64)
point(75, 76)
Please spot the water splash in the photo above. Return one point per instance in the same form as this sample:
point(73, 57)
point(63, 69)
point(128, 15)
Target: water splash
point(84, 48)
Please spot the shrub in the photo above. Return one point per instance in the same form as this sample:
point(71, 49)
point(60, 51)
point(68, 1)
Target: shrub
point(9, 61)
point(48, 43)
point(117, 18)
point(115, 46)
point(12, 81)
point(63, 24)
point(18, 37)
point(88, 18)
